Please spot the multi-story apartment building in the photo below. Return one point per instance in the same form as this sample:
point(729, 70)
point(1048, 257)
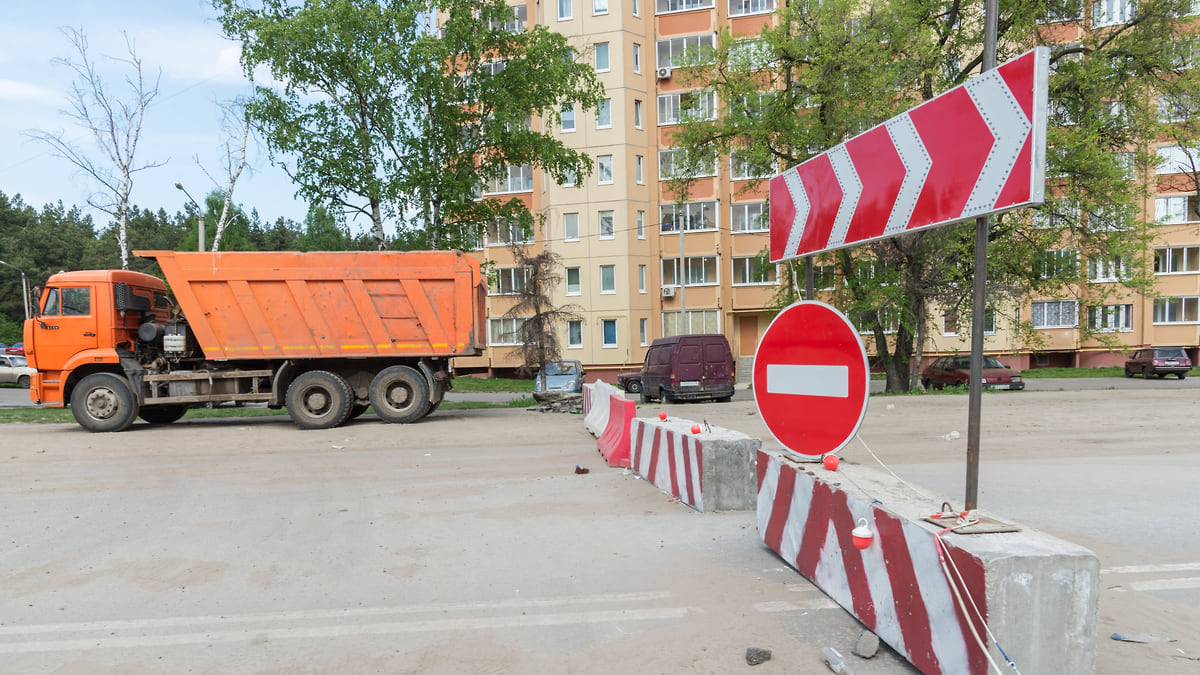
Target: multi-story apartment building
point(637, 264)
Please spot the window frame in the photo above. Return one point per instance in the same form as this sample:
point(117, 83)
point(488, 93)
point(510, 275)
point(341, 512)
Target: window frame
point(612, 224)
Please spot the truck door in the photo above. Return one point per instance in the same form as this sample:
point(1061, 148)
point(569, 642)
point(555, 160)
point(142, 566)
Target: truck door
point(65, 326)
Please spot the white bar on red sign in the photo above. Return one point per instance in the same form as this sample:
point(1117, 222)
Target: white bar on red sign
point(801, 380)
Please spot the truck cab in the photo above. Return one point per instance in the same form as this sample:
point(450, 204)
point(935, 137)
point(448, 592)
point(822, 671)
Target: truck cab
point(84, 322)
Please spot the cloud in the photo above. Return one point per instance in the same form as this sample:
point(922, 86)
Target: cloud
point(17, 92)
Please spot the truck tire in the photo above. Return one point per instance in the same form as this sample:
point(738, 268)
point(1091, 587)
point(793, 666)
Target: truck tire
point(103, 402)
point(163, 414)
point(399, 395)
point(357, 410)
point(634, 386)
point(23, 381)
point(319, 399)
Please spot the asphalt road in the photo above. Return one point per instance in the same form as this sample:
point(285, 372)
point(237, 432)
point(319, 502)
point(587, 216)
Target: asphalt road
point(467, 542)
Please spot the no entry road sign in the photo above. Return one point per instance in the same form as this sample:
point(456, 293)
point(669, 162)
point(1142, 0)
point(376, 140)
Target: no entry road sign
point(975, 150)
point(811, 379)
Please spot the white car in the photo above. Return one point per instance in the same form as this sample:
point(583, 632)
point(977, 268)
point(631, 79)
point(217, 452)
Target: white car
point(14, 370)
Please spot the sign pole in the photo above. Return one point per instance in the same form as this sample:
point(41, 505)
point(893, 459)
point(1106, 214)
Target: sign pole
point(991, 12)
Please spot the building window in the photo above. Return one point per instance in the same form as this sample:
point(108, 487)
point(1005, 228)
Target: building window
point(691, 216)
point(569, 178)
point(1055, 314)
point(601, 57)
point(574, 334)
point(700, 270)
point(950, 323)
point(1173, 159)
point(514, 25)
point(642, 333)
point(741, 168)
point(664, 6)
point(670, 52)
point(637, 58)
point(686, 106)
point(570, 227)
point(1177, 310)
point(668, 159)
point(504, 232)
point(505, 331)
point(513, 179)
point(637, 114)
point(668, 272)
point(691, 321)
point(641, 224)
point(1177, 260)
point(1112, 12)
point(604, 169)
point(604, 114)
point(599, 6)
point(609, 329)
point(1176, 209)
point(574, 285)
point(607, 229)
point(639, 170)
point(753, 271)
point(1111, 318)
point(740, 7)
point(1059, 264)
point(509, 280)
point(637, 8)
point(1101, 270)
point(568, 117)
point(824, 277)
point(750, 217)
point(641, 278)
point(1055, 214)
point(608, 279)
point(564, 9)
point(989, 322)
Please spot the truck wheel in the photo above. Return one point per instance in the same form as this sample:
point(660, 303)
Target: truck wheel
point(23, 381)
point(103, 402)
point(357, 410)
point(645, 396)
point(634, 386)
point(399, 395)
point(163, 414)
point(319, 399)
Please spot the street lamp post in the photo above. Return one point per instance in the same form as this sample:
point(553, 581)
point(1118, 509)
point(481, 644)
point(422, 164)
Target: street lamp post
point(199, 213)
point(24, 288)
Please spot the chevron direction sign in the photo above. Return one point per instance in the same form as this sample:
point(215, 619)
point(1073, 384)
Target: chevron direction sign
point(977, 149)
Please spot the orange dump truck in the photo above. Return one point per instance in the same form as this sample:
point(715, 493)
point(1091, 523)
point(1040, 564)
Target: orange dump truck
point(322, 334)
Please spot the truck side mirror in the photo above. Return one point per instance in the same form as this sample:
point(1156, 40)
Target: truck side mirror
point(36, 310)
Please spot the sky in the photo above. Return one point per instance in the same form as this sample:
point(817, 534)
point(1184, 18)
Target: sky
point(178, 40)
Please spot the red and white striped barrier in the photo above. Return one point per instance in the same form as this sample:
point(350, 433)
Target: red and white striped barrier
point(596, 419)
point(1022, 583)
point(613, 444)
point(712, 470)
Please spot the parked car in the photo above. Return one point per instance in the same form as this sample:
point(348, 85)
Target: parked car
point(688, 367)
point(14, 370)
point(564, 376)
point(956, 370)
point(15, 350)
point(630, 382)
point(1158, 361)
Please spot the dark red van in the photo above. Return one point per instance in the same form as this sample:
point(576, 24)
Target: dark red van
point(688, 367)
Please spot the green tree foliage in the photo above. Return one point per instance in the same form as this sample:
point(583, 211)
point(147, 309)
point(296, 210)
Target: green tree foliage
point(832, 69)
point(378, 113)
point(322, 233)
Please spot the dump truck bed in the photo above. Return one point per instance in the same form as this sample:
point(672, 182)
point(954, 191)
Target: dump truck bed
point(256, 305)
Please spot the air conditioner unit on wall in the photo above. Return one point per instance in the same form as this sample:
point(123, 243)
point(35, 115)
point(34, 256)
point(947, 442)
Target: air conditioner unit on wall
point(668, 291)
point(664, 73)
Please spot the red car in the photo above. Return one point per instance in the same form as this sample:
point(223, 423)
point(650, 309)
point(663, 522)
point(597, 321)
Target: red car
point(956, 370)
point(1159, 362)
point(16, 350)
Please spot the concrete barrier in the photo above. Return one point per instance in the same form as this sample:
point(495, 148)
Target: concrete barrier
point(596, 420)
point(613, 444)
point(709, 471)
point(587, 398)
point(1038, 595)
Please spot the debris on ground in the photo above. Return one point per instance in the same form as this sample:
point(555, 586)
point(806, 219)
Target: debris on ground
point(562, 403)
point(833, 659)
point(867, 645)
point(1142, 637)
point(757, 655)
point(581, 469)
